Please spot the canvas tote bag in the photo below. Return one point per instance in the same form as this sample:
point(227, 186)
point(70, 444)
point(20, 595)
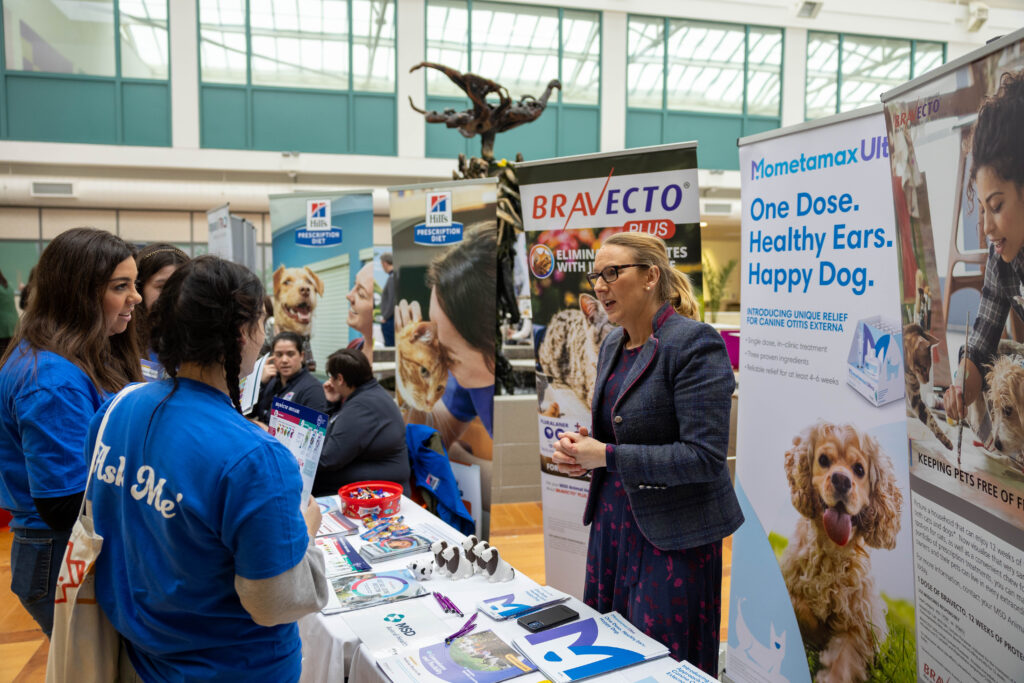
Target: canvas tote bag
point(84, 646)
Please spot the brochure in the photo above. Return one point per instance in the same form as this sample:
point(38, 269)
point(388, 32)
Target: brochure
point(396, 546)
point(335, 523)
point(514, 605)
point(340, 558)
point(588, 647)
point(387, 630)
point(328, 504)
point(480, 657)
point(249, 386)
point(357, 591)
point(303, 431)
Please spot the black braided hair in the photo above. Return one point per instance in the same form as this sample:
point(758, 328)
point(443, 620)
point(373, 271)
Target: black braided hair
point(206, 305)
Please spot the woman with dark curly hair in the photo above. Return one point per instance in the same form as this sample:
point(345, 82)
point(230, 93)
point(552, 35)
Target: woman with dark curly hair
point(207, 560)
point(73, 347)
point(997, 185)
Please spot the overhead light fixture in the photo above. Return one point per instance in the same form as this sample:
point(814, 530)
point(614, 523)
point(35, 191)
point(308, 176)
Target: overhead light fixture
point(808, 9)
point(977, 15)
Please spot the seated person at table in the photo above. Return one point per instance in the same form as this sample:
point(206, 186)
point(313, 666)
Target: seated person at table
point(289, 378)
point(366, 436)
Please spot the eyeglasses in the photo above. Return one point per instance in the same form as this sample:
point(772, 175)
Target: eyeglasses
point(611, 273)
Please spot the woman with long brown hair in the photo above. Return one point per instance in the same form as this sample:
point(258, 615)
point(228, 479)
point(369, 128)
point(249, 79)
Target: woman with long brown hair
point(73, 347)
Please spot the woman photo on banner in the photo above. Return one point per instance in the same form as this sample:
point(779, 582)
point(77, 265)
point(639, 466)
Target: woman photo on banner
point(997, 186)
point(74, 346)
point(207, 560)
point(445, 368)
point(660, 418)
point(360, 311)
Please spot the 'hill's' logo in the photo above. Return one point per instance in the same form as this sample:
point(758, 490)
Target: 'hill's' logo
point(318, 231)
point(438, 228)
point(318, 214)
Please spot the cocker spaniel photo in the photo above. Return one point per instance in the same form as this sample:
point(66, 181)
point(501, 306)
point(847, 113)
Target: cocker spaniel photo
point(845, 490)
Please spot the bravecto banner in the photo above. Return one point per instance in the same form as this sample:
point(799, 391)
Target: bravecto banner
point(957, 163)
point(569, 207)
point(822, 573)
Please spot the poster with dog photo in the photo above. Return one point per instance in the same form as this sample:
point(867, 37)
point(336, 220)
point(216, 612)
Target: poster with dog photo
point(444, 246)
point(957, 173)
point(570, 206)
point(822, 586)
point(316, 242)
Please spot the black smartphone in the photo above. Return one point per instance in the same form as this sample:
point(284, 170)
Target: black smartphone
point(546, 618)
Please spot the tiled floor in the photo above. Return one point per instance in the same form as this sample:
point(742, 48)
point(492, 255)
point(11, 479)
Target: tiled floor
point(516, 528)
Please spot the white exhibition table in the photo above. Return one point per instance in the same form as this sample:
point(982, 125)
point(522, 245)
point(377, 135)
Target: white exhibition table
point(331, 651)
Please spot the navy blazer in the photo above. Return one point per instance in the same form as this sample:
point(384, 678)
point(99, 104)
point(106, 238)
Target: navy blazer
point(671, 426)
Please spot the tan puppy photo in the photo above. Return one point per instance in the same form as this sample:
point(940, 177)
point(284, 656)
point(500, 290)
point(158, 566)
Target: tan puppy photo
point(845, 490)
point(1005, 398)
point(296, 292)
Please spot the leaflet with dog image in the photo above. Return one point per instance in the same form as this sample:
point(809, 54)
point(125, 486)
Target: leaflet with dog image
point(387, 630)
point(357, 591)
point(303, 431)
point(588, 647)
point(513, 605)
point(480, 657)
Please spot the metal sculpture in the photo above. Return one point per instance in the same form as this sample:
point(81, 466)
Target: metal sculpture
point(487, 119)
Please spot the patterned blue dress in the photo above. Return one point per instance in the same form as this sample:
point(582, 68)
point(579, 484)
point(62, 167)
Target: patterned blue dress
point(673, 596)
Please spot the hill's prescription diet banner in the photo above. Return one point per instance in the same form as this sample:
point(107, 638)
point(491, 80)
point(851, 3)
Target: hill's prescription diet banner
point(822, 573)
point(954, 213)
point(570, 206)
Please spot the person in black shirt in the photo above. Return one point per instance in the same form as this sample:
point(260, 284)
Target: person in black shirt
point(366, 436)
point(289, 379)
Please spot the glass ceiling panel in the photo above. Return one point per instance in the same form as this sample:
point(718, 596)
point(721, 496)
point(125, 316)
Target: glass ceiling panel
point(764, 72)
point(300, 43)
point(222, 46)
point(447, 43)
point(373, 45)
point(581, 57)
point(705, 67)
point(870, 67)
point(515, 45)
point(143, 38)
point(645, 62)
point(822, 74)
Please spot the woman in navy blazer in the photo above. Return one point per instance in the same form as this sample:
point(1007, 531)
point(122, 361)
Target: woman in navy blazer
point(660, 499)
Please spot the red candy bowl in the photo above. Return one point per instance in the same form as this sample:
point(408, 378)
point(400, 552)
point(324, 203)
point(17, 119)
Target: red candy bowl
point(364, 498)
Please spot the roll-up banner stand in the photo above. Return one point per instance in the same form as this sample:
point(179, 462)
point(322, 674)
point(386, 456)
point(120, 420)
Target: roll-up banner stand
point(955, 140)
point(570, 206)
point(231, 237)
point(443, 238)
point(822, 581)
point(317, 241)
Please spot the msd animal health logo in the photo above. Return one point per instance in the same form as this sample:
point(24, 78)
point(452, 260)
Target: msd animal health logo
point(438, 228)
point(318, 231)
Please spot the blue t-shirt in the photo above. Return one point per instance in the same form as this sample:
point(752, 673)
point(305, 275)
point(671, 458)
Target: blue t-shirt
point(46, 402)
point(190, 494)
point(465, 404)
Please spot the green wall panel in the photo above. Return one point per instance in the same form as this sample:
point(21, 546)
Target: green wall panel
point(715, 135)
point(752, 126)
point(444, 142)
point(222, 117)
point(535, 140)
point(376, 130)
point(579, 131)
point(17, 258)
point(300, 121)
point(643, 127)
point(61, 109)
point(147, 114)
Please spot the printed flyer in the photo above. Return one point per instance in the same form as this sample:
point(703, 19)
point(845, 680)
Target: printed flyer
point(822, 584)
point(303, 431)
point(957, 174)
point(317, 242)
point(570, 205)
point(444, 245)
